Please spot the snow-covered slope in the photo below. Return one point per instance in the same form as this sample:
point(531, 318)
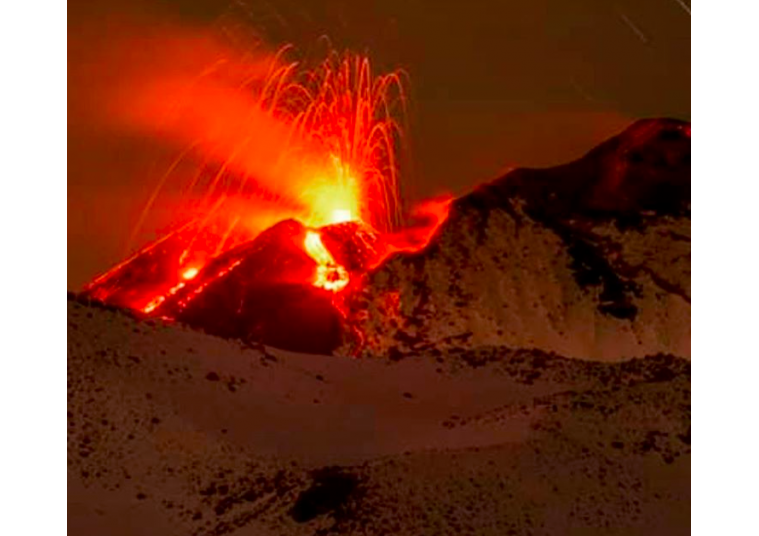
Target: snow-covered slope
point(175, 432)
point(589, 259)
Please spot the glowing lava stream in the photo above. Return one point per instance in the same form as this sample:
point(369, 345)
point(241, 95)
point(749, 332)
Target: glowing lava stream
point(187, 274)
point(329, 274)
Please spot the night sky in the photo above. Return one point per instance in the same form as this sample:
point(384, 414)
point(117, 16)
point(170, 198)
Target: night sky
point(495, 84)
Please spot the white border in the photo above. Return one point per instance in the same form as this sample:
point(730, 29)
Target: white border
point(33, 266)
point(725, 315)
point(725, 265)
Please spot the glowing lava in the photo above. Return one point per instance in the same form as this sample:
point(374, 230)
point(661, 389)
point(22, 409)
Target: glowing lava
point(329, 274)
point(189, 273)
point(348, 116)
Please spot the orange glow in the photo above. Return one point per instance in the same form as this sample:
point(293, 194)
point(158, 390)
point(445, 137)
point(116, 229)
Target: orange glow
point(329, 274)
point(269, 138)
point(189, 273)
point(424, 222)
point(158, 300)
point(271, 133)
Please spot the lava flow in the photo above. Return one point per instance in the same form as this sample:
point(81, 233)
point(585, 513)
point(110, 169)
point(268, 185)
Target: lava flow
point(332, 184)
point(329, 274)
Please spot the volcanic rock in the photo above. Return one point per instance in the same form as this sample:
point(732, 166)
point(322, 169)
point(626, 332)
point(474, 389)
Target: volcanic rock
point(152, 271)
point(353, 245)
point(589, 259)
point(261, 292)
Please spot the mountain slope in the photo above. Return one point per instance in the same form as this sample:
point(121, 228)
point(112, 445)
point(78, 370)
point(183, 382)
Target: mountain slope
point(531, 375)
point(590, 259)
point(172, 431)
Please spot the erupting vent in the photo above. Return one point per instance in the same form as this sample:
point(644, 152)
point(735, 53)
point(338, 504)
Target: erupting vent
point(329, 274)
point(325, 201)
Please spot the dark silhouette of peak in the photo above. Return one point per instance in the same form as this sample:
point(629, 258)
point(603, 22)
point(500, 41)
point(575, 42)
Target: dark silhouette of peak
point(644, 168)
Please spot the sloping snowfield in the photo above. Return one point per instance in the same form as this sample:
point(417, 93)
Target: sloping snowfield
point(172, 431)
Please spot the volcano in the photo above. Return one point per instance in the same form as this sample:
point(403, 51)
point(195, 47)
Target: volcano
point(264, 290)
point(587, 259)
point(535, 371)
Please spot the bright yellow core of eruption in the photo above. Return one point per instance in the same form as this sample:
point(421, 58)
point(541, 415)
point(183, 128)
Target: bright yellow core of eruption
point(329, 274)
point(333, 196)
point(341, 216)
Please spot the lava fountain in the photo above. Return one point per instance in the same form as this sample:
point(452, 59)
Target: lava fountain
point(315, 149)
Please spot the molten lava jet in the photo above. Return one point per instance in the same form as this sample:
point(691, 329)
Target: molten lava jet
point(329, 274)
point(326, 211)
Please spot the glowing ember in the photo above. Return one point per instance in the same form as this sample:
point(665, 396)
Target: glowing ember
point(149, 308)
point(329, 274)
point(189, 273)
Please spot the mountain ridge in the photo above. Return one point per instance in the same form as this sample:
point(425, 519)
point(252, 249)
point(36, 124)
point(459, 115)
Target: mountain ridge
point(606, 236)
